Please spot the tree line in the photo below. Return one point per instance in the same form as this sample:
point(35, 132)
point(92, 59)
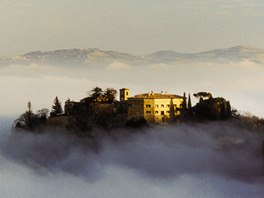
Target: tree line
point(29, 120)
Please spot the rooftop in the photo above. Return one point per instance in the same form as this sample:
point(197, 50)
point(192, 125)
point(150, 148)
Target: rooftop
point(156, 96)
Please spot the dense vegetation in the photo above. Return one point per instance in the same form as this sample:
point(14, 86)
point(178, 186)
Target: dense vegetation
point(30, 120)
point(100, 109)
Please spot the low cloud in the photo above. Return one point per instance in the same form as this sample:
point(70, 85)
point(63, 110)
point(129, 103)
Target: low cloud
point(119, 66)
point(205, 160)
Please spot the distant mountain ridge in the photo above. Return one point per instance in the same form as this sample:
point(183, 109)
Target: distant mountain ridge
point(71, 57)
point(95, 57)
point(237, 53)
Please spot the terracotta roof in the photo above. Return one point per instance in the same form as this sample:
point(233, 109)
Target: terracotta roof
point(156, 96)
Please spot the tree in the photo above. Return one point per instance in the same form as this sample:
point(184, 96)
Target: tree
point(42, 114)
point(184, 103)
point(29, 114)
point(110, 95)
point(189, 106)
point(25, 121)
point(212, 108)
point(56, 108)
point(81, 121)
point(203, 96)
point(30, 120)
point(186, 111)
point(96, 94)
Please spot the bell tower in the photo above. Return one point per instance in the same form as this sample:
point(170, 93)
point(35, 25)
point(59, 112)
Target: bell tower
point(124, 94)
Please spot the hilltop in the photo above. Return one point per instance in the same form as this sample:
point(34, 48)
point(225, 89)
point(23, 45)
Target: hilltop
point(97, 57)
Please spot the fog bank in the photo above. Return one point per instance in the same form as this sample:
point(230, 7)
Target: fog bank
point(201, 160)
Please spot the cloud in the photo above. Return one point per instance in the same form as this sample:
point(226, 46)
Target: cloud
point(119, 66)
point(205, 160)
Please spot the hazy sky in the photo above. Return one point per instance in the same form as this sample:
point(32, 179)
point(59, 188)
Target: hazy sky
point(138, 26)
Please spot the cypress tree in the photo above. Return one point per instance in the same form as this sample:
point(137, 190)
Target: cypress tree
point(189, 102)
point(184, 103)
point(56, 107)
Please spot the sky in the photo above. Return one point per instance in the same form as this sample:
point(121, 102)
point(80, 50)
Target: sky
point(138, 27)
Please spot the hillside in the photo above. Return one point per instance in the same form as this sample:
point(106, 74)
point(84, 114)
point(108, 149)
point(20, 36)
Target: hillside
point(97, 57)
point(71, 57)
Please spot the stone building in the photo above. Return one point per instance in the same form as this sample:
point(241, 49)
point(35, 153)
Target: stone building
point(154, 107)
point(124, 94)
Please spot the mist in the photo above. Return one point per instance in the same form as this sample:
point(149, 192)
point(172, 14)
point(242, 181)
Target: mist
point(216, 159)
point(240, 82)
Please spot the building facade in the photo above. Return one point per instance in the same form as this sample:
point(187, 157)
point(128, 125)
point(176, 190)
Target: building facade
point(124, 94)
point(154, 107)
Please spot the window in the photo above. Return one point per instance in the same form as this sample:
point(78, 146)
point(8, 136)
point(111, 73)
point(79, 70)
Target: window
point(156, 112)
point(148, 105)
point(148, 112)
point(168, 105)
point(157, 106)
point(162, 106)
point(168, 112)
point(127, 93)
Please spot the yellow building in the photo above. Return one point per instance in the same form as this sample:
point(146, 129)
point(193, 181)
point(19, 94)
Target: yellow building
point(154, 107)
point(124, 93)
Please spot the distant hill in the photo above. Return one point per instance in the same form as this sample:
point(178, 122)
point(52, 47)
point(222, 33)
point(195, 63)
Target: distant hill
point(233, 54)
point(71, 57)
point(97, 57)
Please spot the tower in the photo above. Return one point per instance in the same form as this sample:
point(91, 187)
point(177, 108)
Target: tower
point(124, 94)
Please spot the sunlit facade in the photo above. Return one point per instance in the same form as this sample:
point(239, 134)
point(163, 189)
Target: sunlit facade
point(154, 107)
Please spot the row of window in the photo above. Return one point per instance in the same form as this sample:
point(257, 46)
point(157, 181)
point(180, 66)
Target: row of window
point(157, 112)
point(149, 106)
point(162, 106)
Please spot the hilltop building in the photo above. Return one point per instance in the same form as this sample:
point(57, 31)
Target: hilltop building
point(154, 107)
point(101, 109)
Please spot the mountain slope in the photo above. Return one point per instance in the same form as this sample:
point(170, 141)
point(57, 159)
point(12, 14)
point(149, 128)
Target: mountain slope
point(238, 53)
point(235, 53)
point(96, 57)
point(71, 57)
